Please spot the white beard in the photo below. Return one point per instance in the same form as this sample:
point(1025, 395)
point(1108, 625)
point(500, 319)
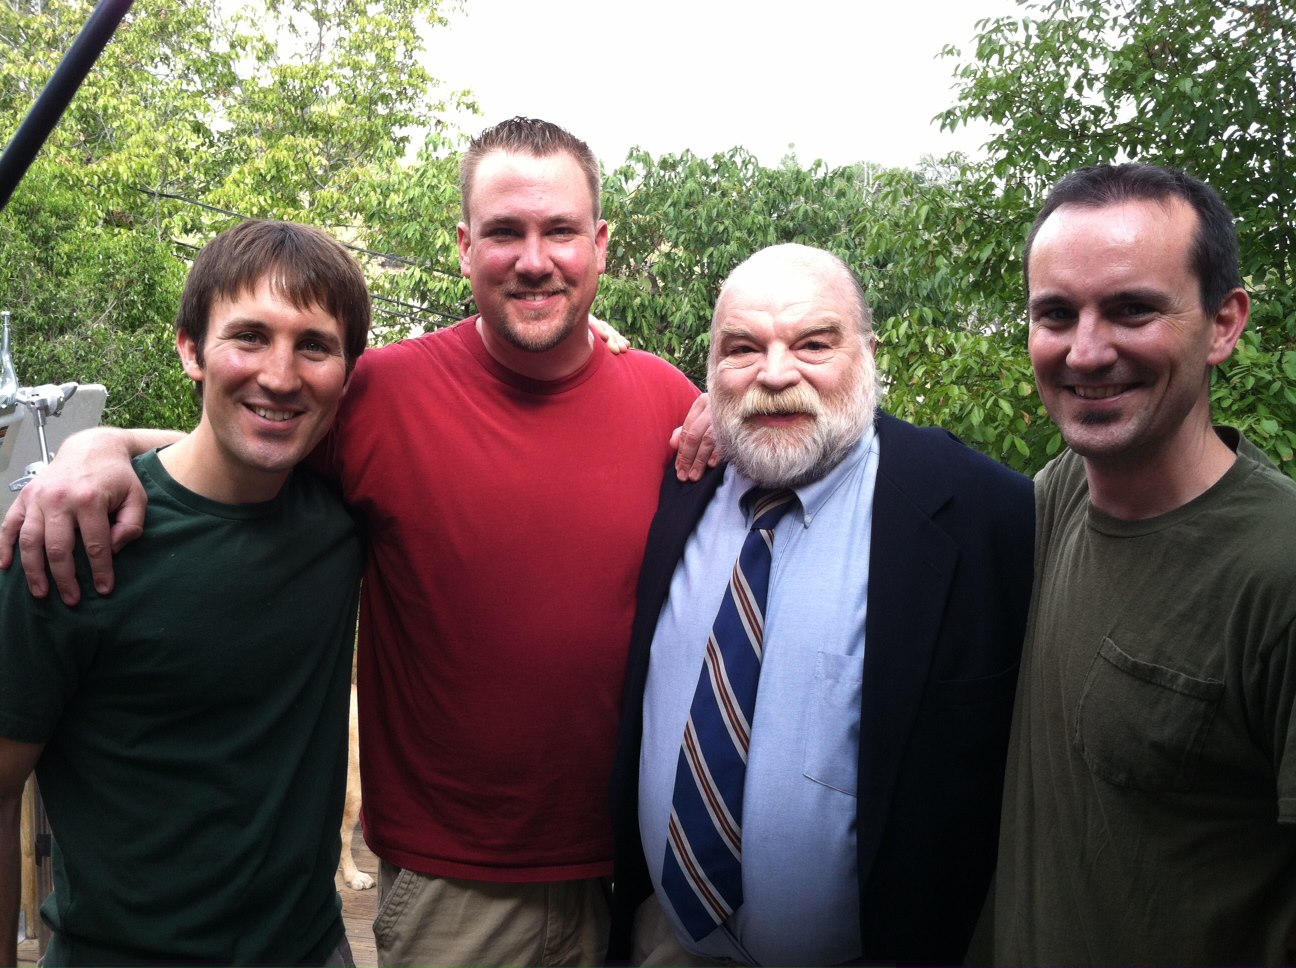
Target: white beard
point(791, 457)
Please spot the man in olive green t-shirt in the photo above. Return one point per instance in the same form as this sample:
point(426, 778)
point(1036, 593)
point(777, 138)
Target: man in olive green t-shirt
point(1149, 811)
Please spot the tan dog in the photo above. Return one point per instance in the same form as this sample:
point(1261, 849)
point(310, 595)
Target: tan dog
point(355, 879)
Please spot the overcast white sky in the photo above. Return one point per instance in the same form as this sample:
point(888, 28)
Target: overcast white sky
point(841, 80)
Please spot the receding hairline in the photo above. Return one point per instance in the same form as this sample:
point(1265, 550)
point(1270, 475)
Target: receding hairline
point(535, 138)
point(795, 257)
point(593, 209)
point(1170, 205)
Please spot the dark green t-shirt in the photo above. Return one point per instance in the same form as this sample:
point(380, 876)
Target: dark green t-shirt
point(195, 728)
point(1150, 799)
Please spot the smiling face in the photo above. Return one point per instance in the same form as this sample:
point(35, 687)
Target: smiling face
point(1121, 344)
point(791, 377)
point(272, 375)
point(533, 251)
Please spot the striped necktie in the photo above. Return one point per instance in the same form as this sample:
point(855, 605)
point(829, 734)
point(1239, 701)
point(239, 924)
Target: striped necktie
point(702, 874)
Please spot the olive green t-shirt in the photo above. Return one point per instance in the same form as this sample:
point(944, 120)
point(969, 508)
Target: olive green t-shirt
point(1150, 799)
point(195, 728)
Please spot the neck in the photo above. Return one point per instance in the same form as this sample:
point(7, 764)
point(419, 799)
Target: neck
point(551, 364)
point(200, 469)
point(1150, 485)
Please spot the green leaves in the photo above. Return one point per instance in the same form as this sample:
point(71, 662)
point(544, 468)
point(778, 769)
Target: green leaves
point(1204, 85)
point(323, 111)
point(198, 113)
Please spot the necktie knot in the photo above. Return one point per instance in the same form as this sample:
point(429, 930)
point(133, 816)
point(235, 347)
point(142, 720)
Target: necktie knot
point(768, 506)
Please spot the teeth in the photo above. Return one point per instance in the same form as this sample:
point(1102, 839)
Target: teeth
point(533, 296)
point(1096, 393)
point(272, 414)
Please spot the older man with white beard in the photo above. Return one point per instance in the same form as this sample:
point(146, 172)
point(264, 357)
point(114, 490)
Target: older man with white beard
point(813, 739)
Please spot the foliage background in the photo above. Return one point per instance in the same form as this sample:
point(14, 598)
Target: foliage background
point(319, 110)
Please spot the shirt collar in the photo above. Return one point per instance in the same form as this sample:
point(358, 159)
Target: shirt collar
point(814, 495)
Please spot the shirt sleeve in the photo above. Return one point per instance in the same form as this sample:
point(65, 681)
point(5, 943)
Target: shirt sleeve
point(45, 650)
point(1282, 671)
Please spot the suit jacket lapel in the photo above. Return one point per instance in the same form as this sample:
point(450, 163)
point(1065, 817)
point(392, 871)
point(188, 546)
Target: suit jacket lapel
point(679, 507)
point(911, 565)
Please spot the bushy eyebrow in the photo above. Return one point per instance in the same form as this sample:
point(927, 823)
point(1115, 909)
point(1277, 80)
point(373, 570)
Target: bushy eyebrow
point(829, 327)
point(823, 327)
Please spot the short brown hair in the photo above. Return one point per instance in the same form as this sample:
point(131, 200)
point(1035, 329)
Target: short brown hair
point(305, 265)
point(539, 139)
point(1214, 251)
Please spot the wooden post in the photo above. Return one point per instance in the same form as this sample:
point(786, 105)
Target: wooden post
point(29, 903)
point(37, 868)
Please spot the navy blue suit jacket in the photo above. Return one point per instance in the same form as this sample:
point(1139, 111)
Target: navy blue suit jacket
point(949, 584)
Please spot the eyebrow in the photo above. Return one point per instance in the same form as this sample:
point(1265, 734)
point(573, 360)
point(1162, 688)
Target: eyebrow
point(1048, 300)
point(560, 218)
point(832, 327)
point(240, 323)
point(1145, 294)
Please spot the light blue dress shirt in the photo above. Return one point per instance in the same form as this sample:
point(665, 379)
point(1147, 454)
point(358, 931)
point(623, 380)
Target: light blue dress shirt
point(800, 884)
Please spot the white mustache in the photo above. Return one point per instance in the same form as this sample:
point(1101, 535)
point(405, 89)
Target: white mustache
point(796, 399)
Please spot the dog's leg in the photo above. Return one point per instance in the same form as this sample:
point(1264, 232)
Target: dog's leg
point(356, 879)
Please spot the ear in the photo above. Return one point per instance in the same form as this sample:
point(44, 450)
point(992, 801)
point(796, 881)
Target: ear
point(188, 351)
point(465, 250)
point(1227, 326)
point(600, 245)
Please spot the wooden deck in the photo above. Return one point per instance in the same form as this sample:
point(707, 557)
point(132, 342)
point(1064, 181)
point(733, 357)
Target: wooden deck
point(359, 908)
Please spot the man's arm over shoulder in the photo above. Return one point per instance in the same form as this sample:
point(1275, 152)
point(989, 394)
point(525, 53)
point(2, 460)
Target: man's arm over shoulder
point(17, 760)
point(89, 480)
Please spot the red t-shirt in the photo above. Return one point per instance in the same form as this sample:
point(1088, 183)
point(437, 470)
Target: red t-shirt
point(506, 519)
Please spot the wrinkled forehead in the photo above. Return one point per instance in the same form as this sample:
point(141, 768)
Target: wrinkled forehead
point(788, 293)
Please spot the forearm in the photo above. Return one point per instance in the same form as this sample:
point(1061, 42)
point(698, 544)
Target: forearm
point(130, 441)
point(90, 489)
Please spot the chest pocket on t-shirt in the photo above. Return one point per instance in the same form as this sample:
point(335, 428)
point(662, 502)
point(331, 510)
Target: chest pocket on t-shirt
point(1142, 725)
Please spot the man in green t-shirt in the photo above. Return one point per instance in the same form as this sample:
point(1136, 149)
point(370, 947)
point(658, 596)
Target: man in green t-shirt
point(189, 732)
point(1149, 812)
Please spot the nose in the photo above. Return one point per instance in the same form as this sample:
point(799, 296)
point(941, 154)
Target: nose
point(1091, 345)
point(533, 258)
point(279, 372)
point(779, 370)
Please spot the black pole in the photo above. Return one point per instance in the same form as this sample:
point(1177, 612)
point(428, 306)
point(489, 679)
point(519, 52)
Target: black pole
point(53, 101)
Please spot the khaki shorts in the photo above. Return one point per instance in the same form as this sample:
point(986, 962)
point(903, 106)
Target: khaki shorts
point(424, 920)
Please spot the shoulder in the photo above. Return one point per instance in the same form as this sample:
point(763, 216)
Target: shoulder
point(435, 364)
point(439, 343)
point(308, 487)
point(909, 451)
point(1261, 509)
point(1064, 474)
point(1277, 487)
point(652, 371)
